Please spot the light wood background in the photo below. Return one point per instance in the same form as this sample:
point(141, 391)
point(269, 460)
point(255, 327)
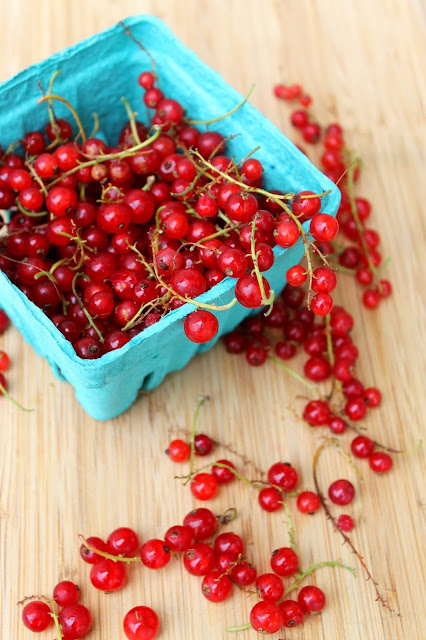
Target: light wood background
point(63, 473)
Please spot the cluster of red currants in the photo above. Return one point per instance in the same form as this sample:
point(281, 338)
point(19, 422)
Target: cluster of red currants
point(358, 255)
point(218, 558)
point(108, 239)
point(332, 355)
point(73, 620)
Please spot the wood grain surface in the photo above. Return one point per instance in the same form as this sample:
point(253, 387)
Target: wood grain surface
point(62, 473)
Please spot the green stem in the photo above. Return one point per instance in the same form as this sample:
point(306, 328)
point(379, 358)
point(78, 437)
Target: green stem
point(354, 210)
point(53, 96)
point(105, 554)
point(314, 567)
point(207, 122)
point(265, 301)
point(5, 392)
point(109, 156)
point(290, 527)
point(56, 622)
point(132, 121)
point(30, 214)
point(80, 302)
point(293, 373)
point(243, 627)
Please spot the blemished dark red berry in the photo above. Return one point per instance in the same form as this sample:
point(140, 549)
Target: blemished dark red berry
point(380, 462)
point(37, 616)
point(141, 623)
point(75, 621)
point(90, 556)
point(216, 587)
point(266, 617)
point(222, 474)
point(179, 538)
point(200, 559)
point(203, 444)
point(293, 613)
point(341, 492)
point(270, 587)
point(312, 599)
point(66, 593)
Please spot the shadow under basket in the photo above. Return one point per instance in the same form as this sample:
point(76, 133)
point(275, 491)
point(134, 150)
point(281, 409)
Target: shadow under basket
point(95, 74)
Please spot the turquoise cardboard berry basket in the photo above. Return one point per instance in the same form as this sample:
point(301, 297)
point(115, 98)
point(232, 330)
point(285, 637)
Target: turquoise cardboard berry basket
point(95, 74)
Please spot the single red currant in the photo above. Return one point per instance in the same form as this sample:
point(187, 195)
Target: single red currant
point(75, 621)
point(200, 559)
point(216, 587)
point(66, 593)
point(202, 523)
point(312, 599)
point(380, 462)
point(266, 617)
point(270, 587)
point(308, 502)
point(155, 554)
point(345, 522)
point(341, 492)
point(204, 486)
point(178, 450)
point(141, 623)
point(178, 538)
point(123, 542)
point(284, 561)
point(37, 616)
point(362, 447)
point(107, 575)
point(293, 613)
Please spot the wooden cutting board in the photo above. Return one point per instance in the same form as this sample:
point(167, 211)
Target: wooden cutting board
point(62, 473)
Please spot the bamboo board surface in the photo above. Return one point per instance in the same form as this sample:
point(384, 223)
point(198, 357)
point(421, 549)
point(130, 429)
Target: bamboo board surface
point(62, 473)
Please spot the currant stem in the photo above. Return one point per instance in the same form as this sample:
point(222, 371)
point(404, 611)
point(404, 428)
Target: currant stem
point(345, 537)
point(293, 373)
point(290, 527)
point(109, 156)
point(314, 567)
point(243, 627)
point(4, 392)
point(207, 122)
point(254, 256)
point(80, 302)
point(201, 401)
point(354, 210)
point(131, 114)
point(53, 96)
point(105, 554)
